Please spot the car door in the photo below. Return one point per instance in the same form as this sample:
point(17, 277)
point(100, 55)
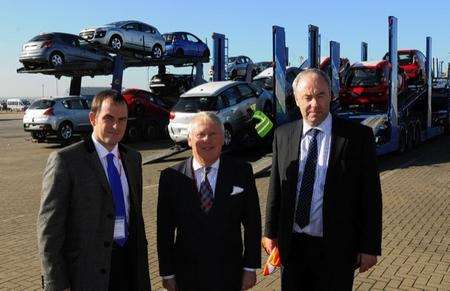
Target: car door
point(193, 43)
point(148, 33)
point(133, 35)
point(246, 102)
point(79, 115)
point(231, 114)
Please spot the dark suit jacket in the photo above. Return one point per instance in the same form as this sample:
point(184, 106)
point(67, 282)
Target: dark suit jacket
point(205, 251)
point(352, 195)
point(76, 220)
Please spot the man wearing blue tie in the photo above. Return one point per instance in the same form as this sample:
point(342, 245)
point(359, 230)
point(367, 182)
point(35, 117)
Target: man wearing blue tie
point(324, 207)
point(202, 204)
point(91, 233)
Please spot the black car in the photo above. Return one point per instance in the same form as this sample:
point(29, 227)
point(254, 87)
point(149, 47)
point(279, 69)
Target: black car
point(170, 86)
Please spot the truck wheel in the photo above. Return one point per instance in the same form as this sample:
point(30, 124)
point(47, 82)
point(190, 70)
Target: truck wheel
point(417, 135)
point(133, 133)
point(402, 141)
point(150, 131)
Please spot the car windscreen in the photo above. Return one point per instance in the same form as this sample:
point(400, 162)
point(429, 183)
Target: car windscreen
point(42, 104)
point(196, 104)
point(232, 59)
point(264, 83)
point(405, 59)
point(117, 24)
point(42, 37)
point(364, 77)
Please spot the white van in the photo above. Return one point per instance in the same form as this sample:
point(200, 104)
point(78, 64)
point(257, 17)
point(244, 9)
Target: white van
point(17, 104)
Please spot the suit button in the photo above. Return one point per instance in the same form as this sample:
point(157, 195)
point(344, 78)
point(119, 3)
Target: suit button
point(106, 244)
point(102, 271)
point(110, 216)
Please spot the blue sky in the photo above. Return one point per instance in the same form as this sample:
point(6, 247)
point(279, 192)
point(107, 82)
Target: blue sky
point(247, 24)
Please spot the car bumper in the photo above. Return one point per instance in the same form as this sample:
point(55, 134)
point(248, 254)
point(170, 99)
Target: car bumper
point(34, 56)
point(47, 128)
point(178, 133)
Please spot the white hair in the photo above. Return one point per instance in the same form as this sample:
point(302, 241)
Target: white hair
point(205, 116)
point(313, 71)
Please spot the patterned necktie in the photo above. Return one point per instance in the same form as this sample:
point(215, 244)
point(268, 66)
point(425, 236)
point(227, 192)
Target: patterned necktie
point(117, 191)
point(307, 185)
point(206, 193)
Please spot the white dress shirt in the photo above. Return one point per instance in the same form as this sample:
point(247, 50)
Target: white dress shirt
point(315, 226)
point(102, 153)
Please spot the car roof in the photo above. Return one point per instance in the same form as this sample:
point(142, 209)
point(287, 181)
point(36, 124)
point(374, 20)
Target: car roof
point(368, 64)
point(268, 72)
point(210, 89)
point(59, 34)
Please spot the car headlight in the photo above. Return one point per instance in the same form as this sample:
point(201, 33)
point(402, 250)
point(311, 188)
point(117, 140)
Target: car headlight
point(100, 33)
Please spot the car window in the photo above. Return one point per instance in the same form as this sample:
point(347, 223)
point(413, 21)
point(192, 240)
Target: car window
point(196, 104)
point(70, 40)
point(42, 104)
point(132, 26)
point(85, 104)
point(192, 38)
point(42, 37)
point(232, 96)
point(246, 92)
point(148, 29)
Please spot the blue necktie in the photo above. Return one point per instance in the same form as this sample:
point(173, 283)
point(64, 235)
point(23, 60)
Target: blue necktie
point(117, 191)
point(307, 186)
point(206, 193)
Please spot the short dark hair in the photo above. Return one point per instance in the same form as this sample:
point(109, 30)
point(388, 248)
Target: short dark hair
point(115, 96)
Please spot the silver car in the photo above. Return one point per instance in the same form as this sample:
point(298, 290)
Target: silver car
point(129, 34)
point(60, 117)
point(232, 101)
point(56, 49)
point(237, 67)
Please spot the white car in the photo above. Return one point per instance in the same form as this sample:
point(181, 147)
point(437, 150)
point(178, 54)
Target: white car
point(232, 101)
point(129, 34)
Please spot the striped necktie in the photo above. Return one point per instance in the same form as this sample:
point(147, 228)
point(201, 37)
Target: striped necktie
point(206, 192)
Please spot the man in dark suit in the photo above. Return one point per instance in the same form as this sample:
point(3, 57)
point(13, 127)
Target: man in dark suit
point(90, 227)
point(202, 203)
point(324, 204)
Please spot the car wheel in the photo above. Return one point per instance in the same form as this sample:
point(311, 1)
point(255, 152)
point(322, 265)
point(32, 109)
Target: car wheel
point(157, 52)
point(116, 42)
point(150, 131)
point(65, 131)
point(38, 135)
point(228, 136)
point(56, 59)
point(139, 110)
point(133, 133)
point(180, 53)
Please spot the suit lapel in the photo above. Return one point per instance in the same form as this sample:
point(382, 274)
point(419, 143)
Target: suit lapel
point(94, 162)
point(222, 186)
point(191, 186)
point(294, 158)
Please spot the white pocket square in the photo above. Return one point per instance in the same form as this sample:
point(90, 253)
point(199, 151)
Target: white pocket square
point(237, 190)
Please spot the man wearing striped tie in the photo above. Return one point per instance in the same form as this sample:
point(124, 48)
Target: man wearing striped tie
point(202, 204)
point(324, 205)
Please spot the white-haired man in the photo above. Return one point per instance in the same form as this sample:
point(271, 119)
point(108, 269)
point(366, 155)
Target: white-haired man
point(202, 203)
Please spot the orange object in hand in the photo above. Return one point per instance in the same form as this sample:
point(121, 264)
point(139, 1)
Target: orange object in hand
point(273, 261)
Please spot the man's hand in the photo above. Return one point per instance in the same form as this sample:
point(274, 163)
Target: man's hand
point(366, 262)
point(248, 279)
point(269, 244)
point(170, 284)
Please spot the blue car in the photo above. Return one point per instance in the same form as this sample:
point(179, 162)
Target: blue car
point(185, 44)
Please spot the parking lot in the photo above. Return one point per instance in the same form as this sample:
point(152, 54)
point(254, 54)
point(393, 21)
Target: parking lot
point(416, 195)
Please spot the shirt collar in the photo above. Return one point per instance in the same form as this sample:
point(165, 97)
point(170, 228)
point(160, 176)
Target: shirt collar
point(325, 126)
point(102, 151)
point(196, 165)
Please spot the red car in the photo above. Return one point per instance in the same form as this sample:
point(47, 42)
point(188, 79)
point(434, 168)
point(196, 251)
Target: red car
point(412, 61)
point(143, 103)
point(148, 115)
point(367, 83)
